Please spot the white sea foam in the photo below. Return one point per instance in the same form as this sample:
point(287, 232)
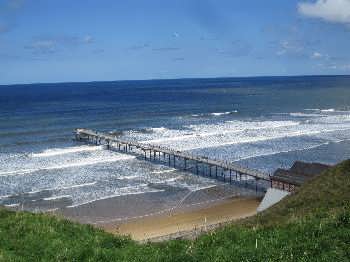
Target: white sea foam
point(12, 205)
point(56, 197)
point(157, 129)
point(122, 192)
point(62, 187)
point(242, 132)
point(68, 150)
point(194, 187)
point(81, 163)
point(300, 114)
point(229, 127)
point(283, 151)
point(79, 185)
point(328, 110)
point(129, 177)
point(163, 171)
point(221, 113)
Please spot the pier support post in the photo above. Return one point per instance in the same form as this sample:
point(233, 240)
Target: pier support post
point(230, 176)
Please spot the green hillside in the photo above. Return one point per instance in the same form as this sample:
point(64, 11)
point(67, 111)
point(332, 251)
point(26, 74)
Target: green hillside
point(312, 225)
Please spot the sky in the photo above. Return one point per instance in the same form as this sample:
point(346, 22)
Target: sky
point(106, 40)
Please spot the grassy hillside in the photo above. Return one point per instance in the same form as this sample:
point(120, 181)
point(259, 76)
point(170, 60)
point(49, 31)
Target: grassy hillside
point(312, 225)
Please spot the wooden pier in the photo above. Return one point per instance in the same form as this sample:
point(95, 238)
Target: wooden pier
point(200, 165)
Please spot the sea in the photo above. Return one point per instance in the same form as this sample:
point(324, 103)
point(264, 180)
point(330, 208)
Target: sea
point(263, 123)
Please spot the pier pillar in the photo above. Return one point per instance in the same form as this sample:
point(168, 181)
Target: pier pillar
point(230, 176)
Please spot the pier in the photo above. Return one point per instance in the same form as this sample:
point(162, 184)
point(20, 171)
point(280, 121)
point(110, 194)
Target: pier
point(199, 165)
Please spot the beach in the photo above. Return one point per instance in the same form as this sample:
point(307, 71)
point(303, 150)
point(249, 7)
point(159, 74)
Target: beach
point(176, 224)
point(171, 210)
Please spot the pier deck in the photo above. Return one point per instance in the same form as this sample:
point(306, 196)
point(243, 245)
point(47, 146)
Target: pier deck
point(173, 156)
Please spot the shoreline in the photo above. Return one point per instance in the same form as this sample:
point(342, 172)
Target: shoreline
point(166, 214)
point(122, 209)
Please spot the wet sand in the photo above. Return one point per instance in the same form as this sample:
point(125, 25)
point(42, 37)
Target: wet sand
point(121, 209)
point(151, 227)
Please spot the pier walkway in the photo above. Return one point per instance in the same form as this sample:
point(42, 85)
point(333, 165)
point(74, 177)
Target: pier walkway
point(219, 169)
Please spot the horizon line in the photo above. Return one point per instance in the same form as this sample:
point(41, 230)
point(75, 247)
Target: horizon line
point(169, 79)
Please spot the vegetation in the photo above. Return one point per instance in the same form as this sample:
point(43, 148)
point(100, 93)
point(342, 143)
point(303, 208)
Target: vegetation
point(312, 225)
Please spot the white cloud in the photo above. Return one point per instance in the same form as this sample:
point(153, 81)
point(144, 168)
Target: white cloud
point(337, 11)
point(55, 44)
point(288, 47)
point(88, 39)
point(43, 46)
point(316, 55)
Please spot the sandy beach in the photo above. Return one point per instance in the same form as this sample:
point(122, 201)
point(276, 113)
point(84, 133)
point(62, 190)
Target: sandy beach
point(170, 223)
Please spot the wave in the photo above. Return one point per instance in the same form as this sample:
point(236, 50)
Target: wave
point(221, 114)
point(300, 114)
point(78, 186)
point(283, 151)
point(62, 166)
point(328, 110)
point(233, 129)
point(224, 113)
point(12, 205)
point(51, 189)
point(129, 177)
point(163, 171)
point(56, 197)
point(117, 195)
point(62, 151)
point(259, 139)
point(157, 129)
point(216, 113)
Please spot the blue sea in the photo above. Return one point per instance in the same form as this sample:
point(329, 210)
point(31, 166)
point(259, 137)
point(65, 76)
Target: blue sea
point(260, 122)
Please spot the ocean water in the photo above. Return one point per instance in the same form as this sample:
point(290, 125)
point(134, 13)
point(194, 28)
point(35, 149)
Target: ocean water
point(263, 123)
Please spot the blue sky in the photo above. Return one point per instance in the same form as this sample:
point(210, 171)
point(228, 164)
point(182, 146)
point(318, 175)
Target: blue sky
point(64, 40)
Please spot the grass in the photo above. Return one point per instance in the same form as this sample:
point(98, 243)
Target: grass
point(312, 225)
